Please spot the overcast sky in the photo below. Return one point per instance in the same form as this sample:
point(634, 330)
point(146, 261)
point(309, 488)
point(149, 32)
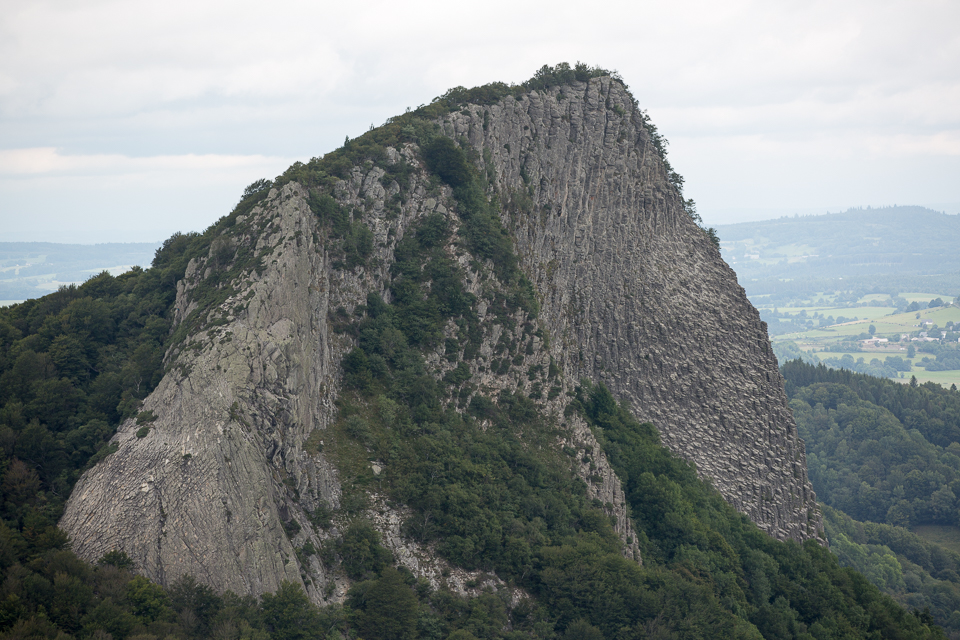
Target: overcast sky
point(129, 120)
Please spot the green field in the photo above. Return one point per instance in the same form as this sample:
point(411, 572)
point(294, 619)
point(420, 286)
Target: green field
point(887, 323)
point(946, 537)
point(881, 317)
point(831, 310)
point(945, 378)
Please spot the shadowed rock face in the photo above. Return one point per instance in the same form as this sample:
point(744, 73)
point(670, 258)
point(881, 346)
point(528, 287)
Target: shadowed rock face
point(632, 293)
point(639, 298)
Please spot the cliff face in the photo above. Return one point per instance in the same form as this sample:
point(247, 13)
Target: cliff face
point(222, 485)
point(202, 492)
point(640, 299)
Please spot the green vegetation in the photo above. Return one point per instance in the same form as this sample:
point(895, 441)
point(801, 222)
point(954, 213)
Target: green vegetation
point(352, 240)
point(545, 78)
point(944, 536)
point(419, 126)
point(784, 589)
point(865, 462)
point(819, 330)
point(49, 593)
point(492, 492)
point(929, 409)
point(828, 316)
point(494, 501)
point(483, 233)
point(886, 454)
point(916, 572)
point(821, 281)
point(73, 365)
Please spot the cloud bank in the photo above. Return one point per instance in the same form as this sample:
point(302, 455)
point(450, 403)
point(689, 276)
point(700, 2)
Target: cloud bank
point(767, 105)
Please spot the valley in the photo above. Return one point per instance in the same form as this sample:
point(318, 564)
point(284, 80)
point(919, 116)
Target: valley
point(885, 414)
point(863, 284)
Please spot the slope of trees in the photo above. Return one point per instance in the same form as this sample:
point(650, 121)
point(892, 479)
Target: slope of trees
point(919, 574)
point(865, 462)
point(785, 590)
point(494, 501)
point(887, 455)
point(929, 408)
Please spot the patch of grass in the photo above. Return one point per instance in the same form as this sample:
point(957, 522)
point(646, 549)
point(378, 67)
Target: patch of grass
point(944, 378)
point(314, 443)
point(946, 537)
point(146, 417)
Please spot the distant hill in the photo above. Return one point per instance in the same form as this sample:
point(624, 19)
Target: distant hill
point(855, 244)
point(33, 269)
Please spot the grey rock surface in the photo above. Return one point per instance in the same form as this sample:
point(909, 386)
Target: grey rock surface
point(639, 298)
point(203, 492)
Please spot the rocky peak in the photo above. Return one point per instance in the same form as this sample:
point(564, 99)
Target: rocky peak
point(227, 482)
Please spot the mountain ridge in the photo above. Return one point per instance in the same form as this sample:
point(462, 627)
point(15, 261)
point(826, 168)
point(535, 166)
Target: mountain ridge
point(224, 462)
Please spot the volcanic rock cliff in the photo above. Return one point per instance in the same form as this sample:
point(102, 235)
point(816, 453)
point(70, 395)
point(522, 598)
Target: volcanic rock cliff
point(222, 472)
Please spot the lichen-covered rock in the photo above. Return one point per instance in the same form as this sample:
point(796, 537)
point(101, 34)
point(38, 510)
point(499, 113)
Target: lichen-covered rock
point(224, 482)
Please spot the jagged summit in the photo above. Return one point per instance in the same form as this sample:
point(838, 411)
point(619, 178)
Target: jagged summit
point(550, 213)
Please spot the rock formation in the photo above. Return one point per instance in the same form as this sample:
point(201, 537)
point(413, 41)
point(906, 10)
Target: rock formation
point(223, 482)
point(641, 299)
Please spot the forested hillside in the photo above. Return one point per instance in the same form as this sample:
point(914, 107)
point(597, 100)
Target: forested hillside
point(708, 572)
point(828, 265)
point(858, 242)
point(886, 454)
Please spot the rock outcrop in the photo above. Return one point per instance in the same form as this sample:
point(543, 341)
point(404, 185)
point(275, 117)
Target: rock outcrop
point(639, 298)
point(223, 483)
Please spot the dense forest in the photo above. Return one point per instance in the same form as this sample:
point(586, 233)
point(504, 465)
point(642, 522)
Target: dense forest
point(885, 454)
point(484, 478)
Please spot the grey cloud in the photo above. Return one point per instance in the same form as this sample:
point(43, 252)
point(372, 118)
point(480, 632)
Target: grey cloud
point(739, 87)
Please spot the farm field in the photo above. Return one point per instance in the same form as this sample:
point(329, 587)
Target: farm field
point(879, 317)
point(842, 339)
